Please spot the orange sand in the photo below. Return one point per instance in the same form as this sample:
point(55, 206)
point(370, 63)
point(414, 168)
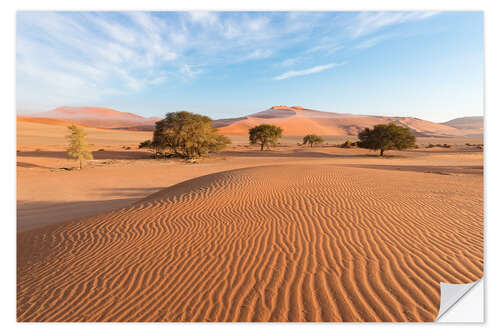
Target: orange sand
point(299, 121)
point(295, 234)
point(98, 117)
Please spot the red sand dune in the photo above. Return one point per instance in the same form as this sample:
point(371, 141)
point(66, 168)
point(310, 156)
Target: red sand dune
point(296, 120)
point(99, 117)
point(47, 121)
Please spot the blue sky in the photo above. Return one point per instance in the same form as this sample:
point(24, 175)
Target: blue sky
point(227, 64)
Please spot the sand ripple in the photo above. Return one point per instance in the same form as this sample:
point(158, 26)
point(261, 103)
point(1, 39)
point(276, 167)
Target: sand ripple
point(280, 243)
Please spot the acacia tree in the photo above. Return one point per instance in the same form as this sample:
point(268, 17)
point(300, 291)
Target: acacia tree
point(152, 146)
point(386, 137)
point(265, 135)
point(187, 134)
point(312, 139)
point(78, 147)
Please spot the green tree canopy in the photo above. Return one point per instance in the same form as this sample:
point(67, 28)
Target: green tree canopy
point(312, 139)
point(265, 135)
point(78, 147)
point(386, 137)
point(186, 134)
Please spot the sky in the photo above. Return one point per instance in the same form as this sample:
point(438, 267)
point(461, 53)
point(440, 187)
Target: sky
point(421, 64)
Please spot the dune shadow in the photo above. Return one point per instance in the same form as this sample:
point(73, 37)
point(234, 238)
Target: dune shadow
point(32, 215)
point(295, 153)
point(30, 165)
point(135, 192)
point(98, 154)
point(443, 170)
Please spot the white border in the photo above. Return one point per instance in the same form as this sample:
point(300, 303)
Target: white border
point(492, 143)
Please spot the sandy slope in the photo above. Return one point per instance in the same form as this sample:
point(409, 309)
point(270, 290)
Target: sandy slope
point(98, 117)
point(294, 120)
point(468, 125)
point(299, 121)
point(272, 243)
point(45, 133)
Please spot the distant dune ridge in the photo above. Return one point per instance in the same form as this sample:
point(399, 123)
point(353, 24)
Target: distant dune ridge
point(467, 123)
point(294, 120)
point(272, 243)
point(99, 117)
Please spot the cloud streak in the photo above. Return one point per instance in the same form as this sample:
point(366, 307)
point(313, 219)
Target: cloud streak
point(366, 23)
point(308, 71)
point(83, 57)
point(371, 42)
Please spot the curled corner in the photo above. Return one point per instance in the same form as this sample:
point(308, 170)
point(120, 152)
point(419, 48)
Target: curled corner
point(455, 296)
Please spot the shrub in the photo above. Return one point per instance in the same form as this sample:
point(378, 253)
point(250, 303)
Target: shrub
point(347, 144)
point(312, 139)
point(78, 147)
point(265, 135)
point(430, 145)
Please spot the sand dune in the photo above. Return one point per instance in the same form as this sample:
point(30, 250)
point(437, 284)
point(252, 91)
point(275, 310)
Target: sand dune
point(272, 243)
point(299, 121)
point(294, 120)
point(45, 132)
point(99, 117)
point(468, 125)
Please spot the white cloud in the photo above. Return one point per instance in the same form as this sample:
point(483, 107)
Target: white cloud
point(259, 54)
point(114, 30)
point(289, 62)
point(366, 23)
point(258, 24)
point(312, 70)
point(204, 18)
point(189, 71)
point(85, 56)
point(371, 42)
point(328, 48)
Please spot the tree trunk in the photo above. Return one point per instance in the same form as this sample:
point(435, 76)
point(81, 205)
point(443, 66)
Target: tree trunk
point(261, 147)
point(80, 163)
point(381, 152)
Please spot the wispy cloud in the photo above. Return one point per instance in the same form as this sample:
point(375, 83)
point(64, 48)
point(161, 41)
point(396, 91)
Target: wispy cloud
point(84, 56)
point(204, 17)
point(189, 71)
point(289, 62)
point(308, 71)
point(327, 48)
point(81, 57)
point(259, 54)
point(371, 42)
point(366, 23)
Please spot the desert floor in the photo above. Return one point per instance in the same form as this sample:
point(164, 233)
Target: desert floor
point(293, 234)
